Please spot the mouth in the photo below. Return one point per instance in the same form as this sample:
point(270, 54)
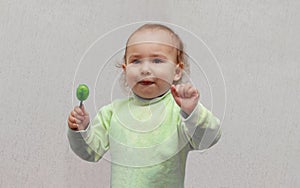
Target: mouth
point(146, 82)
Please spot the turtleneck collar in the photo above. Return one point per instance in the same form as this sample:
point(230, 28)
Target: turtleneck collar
point(142, 101)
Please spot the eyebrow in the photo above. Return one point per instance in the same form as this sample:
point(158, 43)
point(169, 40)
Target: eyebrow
point(134, 56)
point(156, 54)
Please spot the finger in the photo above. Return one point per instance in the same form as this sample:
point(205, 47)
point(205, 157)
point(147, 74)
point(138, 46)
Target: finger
point(186, 91)
point(182, 90)
point(71, 119)
point(179, 89)
point(74, 120)
point(77, 121)
point(73, 113)
point(72, 125)
point(175, 95)
point(77, 116)
point(173, 91)
point(192, 92)
point(82, 108)
point(78, 111)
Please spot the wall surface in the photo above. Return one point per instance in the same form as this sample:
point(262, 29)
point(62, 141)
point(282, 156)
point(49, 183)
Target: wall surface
point(256, 43)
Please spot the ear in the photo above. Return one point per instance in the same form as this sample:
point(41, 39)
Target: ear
point(178, 72)
point(124, 67)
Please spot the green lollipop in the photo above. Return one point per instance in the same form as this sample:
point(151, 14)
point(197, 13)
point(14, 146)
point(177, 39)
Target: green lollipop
point(82, 93)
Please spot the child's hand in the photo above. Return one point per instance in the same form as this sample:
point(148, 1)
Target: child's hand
point(186, 96)
point(78, 119)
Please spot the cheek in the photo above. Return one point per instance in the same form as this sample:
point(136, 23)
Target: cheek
point(130, 77)
point(166, 74)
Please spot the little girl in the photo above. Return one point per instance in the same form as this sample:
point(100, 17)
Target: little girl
point(150, 133)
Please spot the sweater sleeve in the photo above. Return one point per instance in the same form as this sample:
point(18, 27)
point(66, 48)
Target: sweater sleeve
point(201, 128)
point(92, 143)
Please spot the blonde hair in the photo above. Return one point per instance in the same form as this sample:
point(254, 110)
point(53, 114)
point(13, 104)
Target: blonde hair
point(181, 55)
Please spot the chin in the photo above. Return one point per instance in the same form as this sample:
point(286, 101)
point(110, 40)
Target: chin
point(148, 93)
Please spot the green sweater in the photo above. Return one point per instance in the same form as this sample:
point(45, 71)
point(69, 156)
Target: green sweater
point(148, 140)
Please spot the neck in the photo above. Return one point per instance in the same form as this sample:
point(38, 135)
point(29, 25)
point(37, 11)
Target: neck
point(150, 98)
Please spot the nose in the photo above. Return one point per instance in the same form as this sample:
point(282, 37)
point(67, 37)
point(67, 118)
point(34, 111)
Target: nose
point(145, 68)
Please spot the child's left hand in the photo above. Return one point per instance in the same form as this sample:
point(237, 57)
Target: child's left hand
point(186, 96)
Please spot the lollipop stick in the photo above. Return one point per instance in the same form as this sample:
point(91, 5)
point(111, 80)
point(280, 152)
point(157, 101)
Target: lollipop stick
point(80, 105)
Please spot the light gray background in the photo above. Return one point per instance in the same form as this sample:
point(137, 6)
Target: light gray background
point(256, 42)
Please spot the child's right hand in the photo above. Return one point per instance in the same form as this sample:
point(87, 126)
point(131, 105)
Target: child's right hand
point(78, 119)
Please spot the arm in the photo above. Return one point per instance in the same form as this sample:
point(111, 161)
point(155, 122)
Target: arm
point(92, 143)
point(200, 126)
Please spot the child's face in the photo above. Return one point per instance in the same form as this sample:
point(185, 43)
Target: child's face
point(151, 63)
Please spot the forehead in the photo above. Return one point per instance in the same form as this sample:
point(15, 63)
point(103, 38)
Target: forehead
point(157, 36)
